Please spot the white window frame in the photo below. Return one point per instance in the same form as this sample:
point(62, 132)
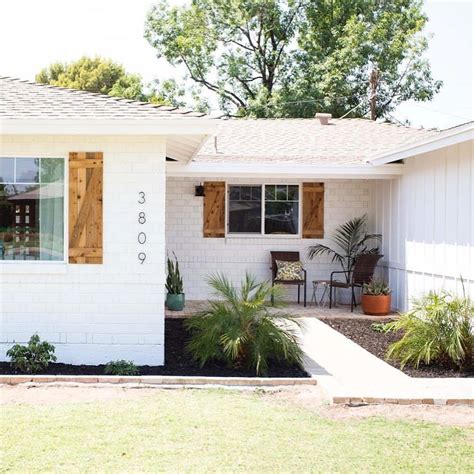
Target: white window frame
point(65, 259)
point(261, 234)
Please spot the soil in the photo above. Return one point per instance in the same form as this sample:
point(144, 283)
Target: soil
point(177, 362)
point(377, 343)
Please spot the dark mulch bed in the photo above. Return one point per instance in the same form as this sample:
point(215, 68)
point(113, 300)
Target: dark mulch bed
point(377, 343)
point(176, 362)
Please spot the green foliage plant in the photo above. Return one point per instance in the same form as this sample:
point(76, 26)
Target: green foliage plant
point(242, 327)
point(33, 357)
point(349, 240)
point(376, 287)
point(439, 328)
point(380, 327)
point(121, 367)
point(174, 280)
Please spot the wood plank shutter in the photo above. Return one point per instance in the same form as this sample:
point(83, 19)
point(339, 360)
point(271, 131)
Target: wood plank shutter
point(214, 209)
point(313, 210)
point(85, 207)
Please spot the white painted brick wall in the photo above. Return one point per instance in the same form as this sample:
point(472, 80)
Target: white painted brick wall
point(97, 313)
point(234, 256)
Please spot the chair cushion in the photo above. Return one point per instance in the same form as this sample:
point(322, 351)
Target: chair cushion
point(289, 271)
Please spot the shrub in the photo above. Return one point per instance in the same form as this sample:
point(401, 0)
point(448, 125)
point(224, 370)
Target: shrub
point(438, 328)
point(376, 287)
point(242, 328)
point(380, 327)
point(32, 358)
point(121, 367)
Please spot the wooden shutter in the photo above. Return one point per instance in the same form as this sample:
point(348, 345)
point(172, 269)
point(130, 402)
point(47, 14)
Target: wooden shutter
point(313, 210)
point(214, 209)
point(85, 207)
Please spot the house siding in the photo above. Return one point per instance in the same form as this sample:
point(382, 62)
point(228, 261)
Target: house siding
point(427, 219)
point(97, 313)
point(233, 256)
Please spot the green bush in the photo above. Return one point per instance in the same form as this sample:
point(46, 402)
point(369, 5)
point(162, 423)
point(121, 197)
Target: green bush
point(32, 358)
point(382, 328)
point(438, 328)
point(121, 367)
point(242, 328)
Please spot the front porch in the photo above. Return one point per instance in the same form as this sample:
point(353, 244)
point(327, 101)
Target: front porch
point(298, 310)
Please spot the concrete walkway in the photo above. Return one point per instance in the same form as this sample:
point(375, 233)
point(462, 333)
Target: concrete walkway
point(349, 373)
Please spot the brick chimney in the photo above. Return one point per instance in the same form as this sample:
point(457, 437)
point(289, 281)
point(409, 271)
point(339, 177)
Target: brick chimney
point(323, 118)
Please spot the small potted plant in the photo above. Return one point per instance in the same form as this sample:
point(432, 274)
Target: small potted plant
point(174, 286)
point(376, 298)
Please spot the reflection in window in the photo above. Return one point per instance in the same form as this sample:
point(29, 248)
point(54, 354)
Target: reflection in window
point(245, 209)
point(281, 209)
point(31, 209)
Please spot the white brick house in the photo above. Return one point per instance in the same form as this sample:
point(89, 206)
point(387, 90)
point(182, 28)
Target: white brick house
point(95, 190)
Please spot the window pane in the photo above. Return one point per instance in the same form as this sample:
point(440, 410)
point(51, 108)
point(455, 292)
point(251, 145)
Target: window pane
point(281, 217)
point(234, 193)
point(256, 193)
point(270, 192)
point(293, 194)
point(27, 170)
point(52, 170)
point(7, 170)
point(32, 215)
point(281, 192)
point(245, 209)
point(245, 193)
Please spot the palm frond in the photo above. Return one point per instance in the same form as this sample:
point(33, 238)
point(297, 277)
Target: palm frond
point(242, 327)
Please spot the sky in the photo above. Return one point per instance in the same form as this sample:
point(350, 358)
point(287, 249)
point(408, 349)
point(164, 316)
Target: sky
point(35, 33)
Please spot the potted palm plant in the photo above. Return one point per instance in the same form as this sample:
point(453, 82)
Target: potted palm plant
point(174, 286)
point(376, 298)
point(349, 241)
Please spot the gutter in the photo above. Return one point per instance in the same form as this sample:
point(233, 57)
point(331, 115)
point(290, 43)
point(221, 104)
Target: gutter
point(159, 126)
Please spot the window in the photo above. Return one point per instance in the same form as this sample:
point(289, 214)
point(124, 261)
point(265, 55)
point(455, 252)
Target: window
point(31, 209)
point(245, 209)
point(276, 213)
point(281, 209)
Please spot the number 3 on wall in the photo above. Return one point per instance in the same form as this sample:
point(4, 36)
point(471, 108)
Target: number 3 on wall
point(142, 198)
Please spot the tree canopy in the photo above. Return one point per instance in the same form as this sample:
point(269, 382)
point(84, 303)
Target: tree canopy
point(105, 76)
point(290, 58)
point(94, 75)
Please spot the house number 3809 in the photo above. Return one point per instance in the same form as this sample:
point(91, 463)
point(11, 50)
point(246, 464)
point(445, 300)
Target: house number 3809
point(141, 237)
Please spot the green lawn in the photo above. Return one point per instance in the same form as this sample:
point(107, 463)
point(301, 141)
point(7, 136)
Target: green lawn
point(192, 430)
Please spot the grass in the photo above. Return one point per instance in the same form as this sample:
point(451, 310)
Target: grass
point(190, 430)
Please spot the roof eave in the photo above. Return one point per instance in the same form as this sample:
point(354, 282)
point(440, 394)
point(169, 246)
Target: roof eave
point(282, 170)
point(155, 126)
point(448, 138)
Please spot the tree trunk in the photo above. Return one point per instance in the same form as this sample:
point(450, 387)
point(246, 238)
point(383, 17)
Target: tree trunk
point(374, 82)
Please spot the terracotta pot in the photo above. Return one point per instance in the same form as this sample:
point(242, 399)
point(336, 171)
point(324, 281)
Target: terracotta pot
point(376, 305)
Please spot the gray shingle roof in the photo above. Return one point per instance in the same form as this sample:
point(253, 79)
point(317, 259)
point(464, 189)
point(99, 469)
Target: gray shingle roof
point(30, 100)
point(343, 141)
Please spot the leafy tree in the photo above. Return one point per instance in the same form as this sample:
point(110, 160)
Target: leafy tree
point(237, 49)
point(293, 57)
point(362, 54)
point(107, 77)
point(94, 75)
point(168, 92)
